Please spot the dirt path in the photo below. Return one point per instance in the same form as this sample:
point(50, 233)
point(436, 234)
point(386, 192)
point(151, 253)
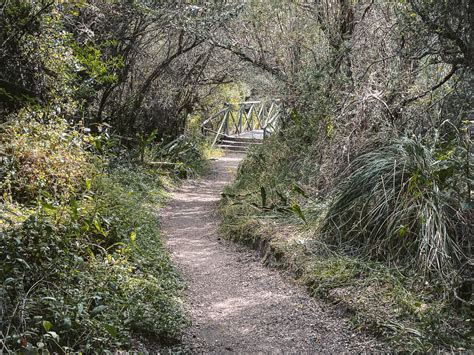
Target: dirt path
point(237, 304)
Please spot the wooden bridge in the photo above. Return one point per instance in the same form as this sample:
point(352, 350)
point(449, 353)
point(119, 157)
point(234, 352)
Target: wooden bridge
point(238, 125)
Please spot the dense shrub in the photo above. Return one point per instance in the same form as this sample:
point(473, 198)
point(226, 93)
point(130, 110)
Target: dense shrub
point(44, 158)
point(83, 263)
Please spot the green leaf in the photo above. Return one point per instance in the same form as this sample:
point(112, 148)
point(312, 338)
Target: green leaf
point(74, 209)
point(99, 228)
point(151, 137)
point(48, 298)
point(133, 236)
point(85, 227)
point(88, 184)
point(47, 325)
point(113, 331)
point(297, 210)
point(48, 208)
point(263, 195)
point(91, 253)
point(402, 231)
point(299, 190)
point(53, 335)
point(23, 262)
point(115, 245)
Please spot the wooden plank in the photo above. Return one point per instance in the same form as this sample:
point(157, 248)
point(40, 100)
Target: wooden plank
point(220, 128)
point(273, 119)
point(259, 116)
point(232, 122)
point(250, 102)
point(214, 116)
point(269, 114)
point(226, 124)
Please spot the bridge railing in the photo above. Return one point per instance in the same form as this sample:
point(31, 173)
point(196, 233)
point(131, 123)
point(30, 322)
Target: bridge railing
point(235, 119)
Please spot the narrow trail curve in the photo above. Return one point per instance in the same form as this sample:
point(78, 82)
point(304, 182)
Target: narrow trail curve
point(237, 304)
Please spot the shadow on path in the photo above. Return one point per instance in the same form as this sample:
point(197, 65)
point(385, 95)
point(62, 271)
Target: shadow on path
point(237, 304)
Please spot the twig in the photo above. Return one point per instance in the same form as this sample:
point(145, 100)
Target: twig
point(433, 88)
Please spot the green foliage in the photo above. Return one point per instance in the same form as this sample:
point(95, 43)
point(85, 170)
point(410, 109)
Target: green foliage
point(394, 305)
point(44, 158)
point(231, 93)
point(144, 142)
point(84, 266)
point(102, 71)
point(188, 153)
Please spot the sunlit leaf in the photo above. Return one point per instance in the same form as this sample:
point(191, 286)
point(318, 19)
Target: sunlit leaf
point(297, 210)
point(98, 309)
point(47, 325)
point(113, 331)
point(99, 228)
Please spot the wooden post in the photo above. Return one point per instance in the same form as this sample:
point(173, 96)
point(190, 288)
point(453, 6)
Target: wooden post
point(249, 117)
point(226, 123)
point(239, 127)
point(232, 124)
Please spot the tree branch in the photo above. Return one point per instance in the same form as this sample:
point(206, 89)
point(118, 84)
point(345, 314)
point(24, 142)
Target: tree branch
point(433, 88)
point(257, 63)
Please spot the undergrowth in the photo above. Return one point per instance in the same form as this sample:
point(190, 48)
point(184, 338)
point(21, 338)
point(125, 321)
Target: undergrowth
point(83, 265)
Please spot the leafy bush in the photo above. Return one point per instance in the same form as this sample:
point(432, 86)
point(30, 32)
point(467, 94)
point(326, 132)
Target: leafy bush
point(44, 157)
point(83, 265)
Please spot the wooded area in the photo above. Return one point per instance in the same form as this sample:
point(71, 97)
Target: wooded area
point(101, 104)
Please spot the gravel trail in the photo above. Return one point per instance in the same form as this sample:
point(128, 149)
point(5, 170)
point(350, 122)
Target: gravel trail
point(236, 304)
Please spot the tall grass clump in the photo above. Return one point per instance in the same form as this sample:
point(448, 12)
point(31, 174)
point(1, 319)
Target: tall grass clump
point(405, 202)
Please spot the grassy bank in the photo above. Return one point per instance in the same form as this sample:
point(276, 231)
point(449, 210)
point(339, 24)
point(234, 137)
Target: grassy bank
point(283, 221)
